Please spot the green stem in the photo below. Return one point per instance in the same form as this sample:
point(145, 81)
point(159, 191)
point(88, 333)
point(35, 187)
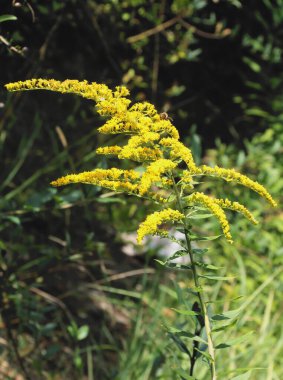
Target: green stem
point(207, 326)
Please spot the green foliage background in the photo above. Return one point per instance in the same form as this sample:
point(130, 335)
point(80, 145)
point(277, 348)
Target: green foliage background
point(73, 304)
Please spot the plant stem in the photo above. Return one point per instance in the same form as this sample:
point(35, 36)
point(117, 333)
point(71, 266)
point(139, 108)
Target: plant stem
point(207, 326)
point(211, 350)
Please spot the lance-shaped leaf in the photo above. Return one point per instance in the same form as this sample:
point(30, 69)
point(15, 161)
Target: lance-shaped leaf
point(185, 312)
point(184, 375)
point(232, 342)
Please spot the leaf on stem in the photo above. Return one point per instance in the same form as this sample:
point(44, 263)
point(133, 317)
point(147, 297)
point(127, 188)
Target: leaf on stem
point(216, 278)
point(173, 265)
point(186, 334)
point(200, 216)
point(231, 314)
point(232, 342)
point(177, 254)
point(205, 354)
point(203, 238)
point(199, 251)
point(206, 266)
point(7, 18)
point(185, 312)
point(184, 375)
point(225, 326)
point(243, 376)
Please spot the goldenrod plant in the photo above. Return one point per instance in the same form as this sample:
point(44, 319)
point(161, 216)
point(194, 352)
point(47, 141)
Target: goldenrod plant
point(164, 171)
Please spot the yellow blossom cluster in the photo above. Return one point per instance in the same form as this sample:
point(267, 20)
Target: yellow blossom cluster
point(154, 142)
point(114, 179)
point(151, 224)
point(109, 150)
point(154, 172)
point(108, 102)
point(233, 175)
point(236, 206)
point(178, 151)
point(216, 209)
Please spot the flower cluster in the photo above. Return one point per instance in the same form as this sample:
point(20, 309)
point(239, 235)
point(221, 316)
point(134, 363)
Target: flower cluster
point(151, 226)
point(153, 142)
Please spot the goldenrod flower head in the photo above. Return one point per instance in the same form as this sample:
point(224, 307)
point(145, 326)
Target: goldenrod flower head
point(214, 207)
point(94, 91)
point(140, 154)
point(121, 92)
point(109, 150)
point(235, 206)
point(142, 148)
point(118, 125)
point(153, 221)
point(179, 151)
point(146, 108)
point(113, 106)
point(154, 172)
point(233, 175)
point(115, 179)
point(165, 126)
point(154, 142)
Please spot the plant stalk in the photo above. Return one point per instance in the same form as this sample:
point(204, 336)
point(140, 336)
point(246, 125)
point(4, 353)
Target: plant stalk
point(211, 349)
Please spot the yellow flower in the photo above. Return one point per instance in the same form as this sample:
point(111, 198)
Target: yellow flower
point(179, 151)
point(140, 154)
point(115, 150)
point(233, 175)
point(154, 172)
point(165, 126)
point(153, 221)
point(154, 142)
point(108, 102)
point(213, 206)
point(235, 206)
point(92, 91)
point(146, 108)
point(115, 179)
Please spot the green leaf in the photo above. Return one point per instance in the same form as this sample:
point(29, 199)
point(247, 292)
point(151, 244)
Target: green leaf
point(184, 374)
point(163, 263)
point(186, 334)
point(203, 238)
point(110, 200)
point(178, 266)
point(200, 216)
point(256, 112)
point(14, 219)
point(206, 266)
point(243, 376)
point(4, 18)
point(180, 242)
point(173, 265)
point(205, 354)
point(216, 278)
point(254, 66)
point(82, 332)
point(185, 312)
point(177, 254)
point(231, 314)
point(180, 344)
point(225, 326)
point(199, 251)
point(232, 342)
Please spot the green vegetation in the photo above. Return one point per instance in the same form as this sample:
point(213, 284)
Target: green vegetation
point(73, 304)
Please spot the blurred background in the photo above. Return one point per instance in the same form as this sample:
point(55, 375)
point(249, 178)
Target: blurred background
point(78, 299)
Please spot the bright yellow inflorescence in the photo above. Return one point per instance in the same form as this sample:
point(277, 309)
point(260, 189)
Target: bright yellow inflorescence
point(114, 179)
point(154, 143)
point(216, 209)
point(235, 206)
point(151, 225)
